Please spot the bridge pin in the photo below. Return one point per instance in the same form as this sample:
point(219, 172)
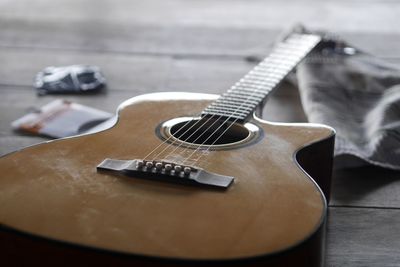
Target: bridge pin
point(149, 164)
point(168, 167)
point(178, 168)
point(159, 166)
point(187, 170)
point(139, 164)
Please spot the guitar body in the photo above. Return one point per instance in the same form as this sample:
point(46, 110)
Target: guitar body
point(57, 208)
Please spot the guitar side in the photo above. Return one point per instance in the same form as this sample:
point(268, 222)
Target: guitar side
point(56, 204)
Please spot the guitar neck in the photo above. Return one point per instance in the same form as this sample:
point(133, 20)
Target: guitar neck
point(239, 102)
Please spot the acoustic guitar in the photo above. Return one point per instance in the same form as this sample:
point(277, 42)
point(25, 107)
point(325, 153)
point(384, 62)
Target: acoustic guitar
point(181, 179)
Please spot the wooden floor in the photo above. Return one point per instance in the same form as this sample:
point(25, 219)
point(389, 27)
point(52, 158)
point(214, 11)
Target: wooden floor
point(204, 46)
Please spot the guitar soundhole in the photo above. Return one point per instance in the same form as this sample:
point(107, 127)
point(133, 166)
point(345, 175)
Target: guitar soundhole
point(200, 131)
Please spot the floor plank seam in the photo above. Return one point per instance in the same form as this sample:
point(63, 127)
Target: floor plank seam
point(364, 207)
point(181, 55)
point(25, 87)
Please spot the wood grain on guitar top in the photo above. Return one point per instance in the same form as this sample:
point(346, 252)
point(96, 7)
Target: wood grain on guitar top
point(53, 190)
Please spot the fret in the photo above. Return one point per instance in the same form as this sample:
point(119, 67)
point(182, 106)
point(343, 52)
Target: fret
point(280, 67)
point(288, 47)
point(248, 107)
point(236, 111)
point(236, 102)
point(246, 94)
point(267, 70)
point(227, 116)
point(250, 86)
point(292, 45)
point(282, 58)
point(289, 53)
point(302, 38)
point(258, 89)
point(261, 91)
point(254, 95)
point(262, 82)
point(299, 45)
point(272, 63)
point(235, 114)
point(241, 100)
point(271, 82)
point(268, 76)
point(223, 102)
point(278, 60)
point(271, 75)
point(231, 106)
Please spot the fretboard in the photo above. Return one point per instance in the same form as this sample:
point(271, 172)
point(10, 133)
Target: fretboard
point(239, 102)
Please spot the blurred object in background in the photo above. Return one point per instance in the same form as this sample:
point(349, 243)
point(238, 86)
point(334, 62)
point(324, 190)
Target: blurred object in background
point(60, 118)
point(69, 79)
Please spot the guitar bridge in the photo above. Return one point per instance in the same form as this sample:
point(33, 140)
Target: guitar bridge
point(166, 171)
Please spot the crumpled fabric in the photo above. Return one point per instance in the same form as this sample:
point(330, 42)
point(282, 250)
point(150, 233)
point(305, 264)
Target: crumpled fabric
point(359, 96)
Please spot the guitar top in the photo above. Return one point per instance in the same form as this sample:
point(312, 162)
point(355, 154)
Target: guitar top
point(181, 178)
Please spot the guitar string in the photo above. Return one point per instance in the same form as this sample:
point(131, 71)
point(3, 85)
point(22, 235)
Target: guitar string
point(260, 65)
point(177, 138)
point(204, 152)
point(187, 138)
point(170, 137)
point(219, 117)
point(205, 131)
point(254, 70)
point(294, 63)
point(198, 149)
point(227, 120)
point(199, 136)
point(198, 129)
point(299, 58)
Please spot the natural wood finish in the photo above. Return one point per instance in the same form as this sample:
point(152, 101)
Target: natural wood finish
point(272, 203)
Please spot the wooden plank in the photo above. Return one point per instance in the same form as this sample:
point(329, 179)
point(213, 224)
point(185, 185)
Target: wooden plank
point(206, 28)
point(127, 72)
point(366, 186)
point(370, 16)
point(165, 40)
point(121, 71)
point(101, 36)
point(363, 237)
